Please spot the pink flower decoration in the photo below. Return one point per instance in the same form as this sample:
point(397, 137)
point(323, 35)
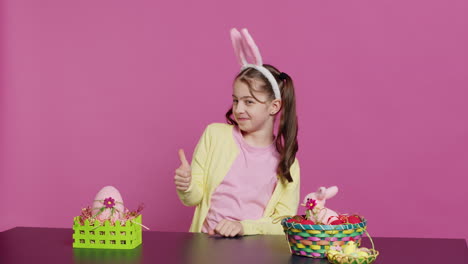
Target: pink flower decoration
point(109, 202)
point(311, 203)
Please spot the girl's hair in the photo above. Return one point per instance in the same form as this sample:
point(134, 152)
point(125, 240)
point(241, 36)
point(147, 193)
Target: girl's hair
point(286, 140)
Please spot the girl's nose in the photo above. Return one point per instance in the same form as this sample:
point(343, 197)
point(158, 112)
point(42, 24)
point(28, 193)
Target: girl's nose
point(239, 108)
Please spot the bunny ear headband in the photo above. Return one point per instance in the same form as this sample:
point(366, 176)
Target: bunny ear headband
point(249, 57)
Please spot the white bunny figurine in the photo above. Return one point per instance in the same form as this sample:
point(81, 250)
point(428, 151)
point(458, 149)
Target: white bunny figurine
point(320, 212)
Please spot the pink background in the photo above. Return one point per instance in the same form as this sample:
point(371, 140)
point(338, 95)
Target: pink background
point(97, 93)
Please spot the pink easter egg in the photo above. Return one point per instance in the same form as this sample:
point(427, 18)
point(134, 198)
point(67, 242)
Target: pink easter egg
point(110, 199)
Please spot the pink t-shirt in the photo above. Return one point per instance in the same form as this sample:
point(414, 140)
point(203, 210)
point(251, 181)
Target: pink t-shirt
point(248, 186)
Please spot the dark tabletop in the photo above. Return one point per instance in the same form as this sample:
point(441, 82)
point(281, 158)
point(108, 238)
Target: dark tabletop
point(54, 245)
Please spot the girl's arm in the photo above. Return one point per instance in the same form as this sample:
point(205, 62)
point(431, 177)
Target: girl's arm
point(194, 194)
point(286, 206)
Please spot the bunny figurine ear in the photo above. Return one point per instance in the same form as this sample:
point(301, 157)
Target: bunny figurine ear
point(330, 192)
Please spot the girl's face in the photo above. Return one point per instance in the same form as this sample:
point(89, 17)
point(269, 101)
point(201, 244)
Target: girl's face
point(250, 114)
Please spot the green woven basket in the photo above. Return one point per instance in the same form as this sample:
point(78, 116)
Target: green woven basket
point(314, 240)
point(109, 236)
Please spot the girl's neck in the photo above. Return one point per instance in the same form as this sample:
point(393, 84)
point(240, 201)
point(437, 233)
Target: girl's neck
point(260, 138)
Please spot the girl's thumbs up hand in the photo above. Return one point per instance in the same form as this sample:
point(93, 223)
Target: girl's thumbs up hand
point(183, 174)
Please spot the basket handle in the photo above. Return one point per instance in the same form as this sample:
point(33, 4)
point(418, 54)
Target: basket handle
point(370, 238)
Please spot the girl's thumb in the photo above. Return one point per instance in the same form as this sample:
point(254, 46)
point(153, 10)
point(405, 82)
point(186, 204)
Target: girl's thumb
point(182, 158)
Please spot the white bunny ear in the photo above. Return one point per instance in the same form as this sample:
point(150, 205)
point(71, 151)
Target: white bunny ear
point(330, 192)
point(237, 44)
point(320, 193)
point(249, 56)
point(251, 51)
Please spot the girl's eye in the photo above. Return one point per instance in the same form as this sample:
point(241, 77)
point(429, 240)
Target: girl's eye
point(250, 102)
point(235, 101)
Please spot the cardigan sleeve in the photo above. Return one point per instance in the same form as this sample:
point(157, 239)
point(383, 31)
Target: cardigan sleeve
point(194, 194)
point(287, 205)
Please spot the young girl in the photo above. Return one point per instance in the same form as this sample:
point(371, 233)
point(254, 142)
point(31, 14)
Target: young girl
point(242, 176)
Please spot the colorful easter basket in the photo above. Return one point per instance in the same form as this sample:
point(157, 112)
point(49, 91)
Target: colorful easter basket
point(314, 240)
point(126, 235)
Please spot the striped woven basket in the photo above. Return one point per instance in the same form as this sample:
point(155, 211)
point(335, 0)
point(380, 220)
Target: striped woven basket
point(314, 240)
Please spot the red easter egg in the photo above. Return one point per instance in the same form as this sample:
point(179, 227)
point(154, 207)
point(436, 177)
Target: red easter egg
point(307, 222)
point(298, 218)
point(336, 222)
point(343, 218)
point(291, 220)
point(354, 219)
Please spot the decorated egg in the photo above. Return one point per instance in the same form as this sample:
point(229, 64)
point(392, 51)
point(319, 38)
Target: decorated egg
point(354, 219)
point(336, 222)
point(299, 218)
point(307, 222)
point(108, 204)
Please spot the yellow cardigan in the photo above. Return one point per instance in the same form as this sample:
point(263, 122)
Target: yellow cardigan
point(212, 159)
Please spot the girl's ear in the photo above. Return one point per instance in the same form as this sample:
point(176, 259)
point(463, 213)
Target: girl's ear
point(275, 106)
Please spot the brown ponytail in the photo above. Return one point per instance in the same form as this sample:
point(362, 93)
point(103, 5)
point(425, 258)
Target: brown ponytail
point(286, 140)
